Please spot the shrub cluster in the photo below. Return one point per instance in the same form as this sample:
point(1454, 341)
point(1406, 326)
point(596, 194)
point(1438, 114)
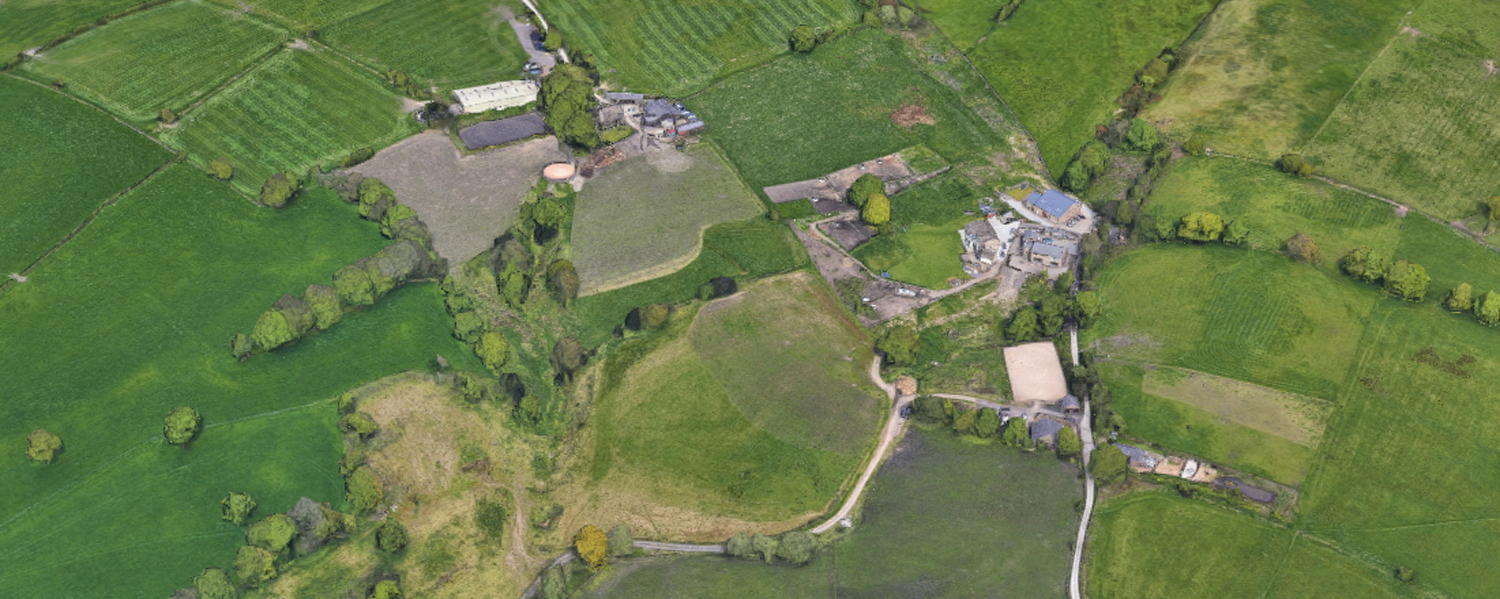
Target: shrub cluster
point(272, 542)
point(1401, 279)
point(796, 547)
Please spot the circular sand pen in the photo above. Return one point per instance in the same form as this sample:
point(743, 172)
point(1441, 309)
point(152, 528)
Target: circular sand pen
point(558, 172)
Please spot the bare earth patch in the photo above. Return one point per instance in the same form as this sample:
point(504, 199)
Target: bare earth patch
point(1296, 418)
point(466, 201)
point(1035, 373)
point(912, 114)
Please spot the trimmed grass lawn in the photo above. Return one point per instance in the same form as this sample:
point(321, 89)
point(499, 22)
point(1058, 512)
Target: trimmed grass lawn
point(125, 324)
point(1062, 64)
point(447, 43)
point(757, 408)
point(924, 246)
point(645, 218)
point(805, 116)
point(1422, 126)
point(944, 518)
point(1159, 545)
point(1264, 75)
point(679, 48)
point(59, 161)
point(168, 57)
point(31, 23)
point(296, 110)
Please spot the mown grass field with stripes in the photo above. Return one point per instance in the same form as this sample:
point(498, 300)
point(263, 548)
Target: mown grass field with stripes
point(296, 110)
point(676, 48)
point(62, 160)
point(31, 23)
point(167, 57)
point(303, 14)
point(446, 43)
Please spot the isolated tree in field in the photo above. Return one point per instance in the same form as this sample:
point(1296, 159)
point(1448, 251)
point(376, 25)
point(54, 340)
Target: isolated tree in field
point(254, 566)
point(1487, 309)
point(273, 534)
point(655, 316)
point(181, 425)
point(803, 39)
point(1201, 227)
point(592, 546)
point(987, 423)
point(1109, 465)
point(213, 583)
point(621, 543)
point(237, 507)
point(1407, 280)
point(1023, 326)
point(1459, 299)
point(493, 350)
point(1405, 574)
point(797, 547)
point(42, 446)
point(279, 189)
point(1141, 137)
point(1196, 146)
point(1068, 443)
point(568, 356)
point(390, 537)
point(364, 489)
point(564, 280)
point(1088, 308)
point(900, 344)
point(166, 116)
point(220, 169)
point(1302, 248)
point(1293, 164)
point(1236, 233)
point(864, 187)
point(1363, 264)
point(764, 545)
point(877, 210)
point(241, 347)
point(1016, 433)
point(739, 546)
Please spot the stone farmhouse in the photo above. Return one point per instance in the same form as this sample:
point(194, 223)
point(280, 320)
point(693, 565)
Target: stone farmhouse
point(1054, 206)
point(495, 96)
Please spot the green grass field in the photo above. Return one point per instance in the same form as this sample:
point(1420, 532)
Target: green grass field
point(74, 159)
point(301, 14)
point(31, 23)
point(735, 414)
point(924, 248)
point(1420, 126)
point(802, 117)
point(1159, 545)
point(447, 43)
point(294, 111)
point(678, 48)
point(1265, 74)
point(943, 518)
point(126, 323)
point(168, 57)
point(1062, 64)
point(965, 22)
point(645, 218)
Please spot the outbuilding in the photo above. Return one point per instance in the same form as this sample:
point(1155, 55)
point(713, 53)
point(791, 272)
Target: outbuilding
point(1054, 205)
point(495, 96)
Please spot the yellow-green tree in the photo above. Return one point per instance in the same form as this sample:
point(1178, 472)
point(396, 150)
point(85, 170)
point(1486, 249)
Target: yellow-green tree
point(493, 350)
point(181, 424)
point(877, 210)
point(1460, 298)
point(592, 545)
point(42, 446)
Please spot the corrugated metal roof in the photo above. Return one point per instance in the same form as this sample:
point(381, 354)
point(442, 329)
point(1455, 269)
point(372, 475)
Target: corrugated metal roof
point(624, 97)
point(503, 94)
point(1053, 204)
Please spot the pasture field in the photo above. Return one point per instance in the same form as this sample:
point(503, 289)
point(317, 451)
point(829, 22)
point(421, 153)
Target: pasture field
point(735, 414)
point(924, 246)
point(943, 518)
point(965, 22)
point(1264, 75)
point(446, 43)
point(298, 15)
point(678, 48)
point(1293, 417)
point(645, 218)
point(294, 111)
point(1154, 544)
point(1186, 427)
point(1061, 65)
point(31, 23)
point(168, 57)
point(743, 250)
point(126, 324)
point(74, 159)
point(805, 116)
point(1276, 207)
point(1420, 126)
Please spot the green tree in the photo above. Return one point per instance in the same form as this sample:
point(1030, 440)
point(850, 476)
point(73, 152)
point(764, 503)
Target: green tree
point(1196, 146)
point(1302, 248)
point(1023, 325)
point(865, 186)
point(566, 97)
point(493, 350)
point(220, 169)
point(1141, 137)
point(42, 446)
point(964, 420)
point(1201, 227)
point(1154, 74)
point(181, 425)
point(364, 489)
point(592, 546)
point(739, 546)
point(877, 210)
point(1109, 465)
point(1405, 574)
point(374, 198)
point(390, 536)
point(529, 410)
point(1460, 298)
point(354, 285)
point(987, 424)
point(323, 302)
point(797, 547)
point(568, 356)
point(1016, 434)
point(1068, 443)
point(1091, 162)
point(764, 545)
point(359, 423)
point(1236, 233)
point(1407, 281)
point(552, 41)
point(621, 543)
point(273, 534)
point(279, 189)
point(386, 589)
point(469, 325)
point(1089, 308)
point(655, 316)
point(254, 566)
point(272, 330)
point(1293, 164)
point(1363, 264)
point(213, 583)
point(803, 39)
point(900, 344)
point(564, 280)
point(236, 508)
point(1051, 314)
point(1487, 309)
point(241, 347)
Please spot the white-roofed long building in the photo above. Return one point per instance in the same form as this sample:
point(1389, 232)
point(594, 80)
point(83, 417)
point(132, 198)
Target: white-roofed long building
point(495, 96)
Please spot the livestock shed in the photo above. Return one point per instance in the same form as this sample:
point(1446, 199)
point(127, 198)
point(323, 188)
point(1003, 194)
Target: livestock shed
point(495, 96)
point(503, 131)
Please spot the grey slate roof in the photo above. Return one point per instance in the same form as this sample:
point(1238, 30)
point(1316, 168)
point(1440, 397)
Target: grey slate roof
point(1070, 403)
point(1047, 249)
point(1136, 455)
point(658, 109)
point(1053, 203)
point(693, 126)
point(624, 97)
point(1044, 427)
point(503, 131)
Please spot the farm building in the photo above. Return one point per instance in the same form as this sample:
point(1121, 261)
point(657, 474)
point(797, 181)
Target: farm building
point(1140, 459)
point(1054, 205)
point(1044, 430)
point(495, 96)
point(503, 131)
point(980, 242)
point(1070, 404)
point(1046, 254)
point(624, 98)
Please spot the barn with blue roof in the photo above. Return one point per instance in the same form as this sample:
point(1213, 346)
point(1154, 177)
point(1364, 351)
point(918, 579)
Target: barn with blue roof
point(1054, 205)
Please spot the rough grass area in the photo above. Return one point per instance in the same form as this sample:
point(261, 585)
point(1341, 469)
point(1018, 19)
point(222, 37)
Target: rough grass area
point(805, 116)
point(446, 43)
point(757, 408)
point(168, 57)
point(296, 110)
point(1158, 545)
point(1421, 125)
point(1062, 64)
point(126, 324)
point(944, 518)
point(1275, 206)
point(924, 246)
point(743, 250)
point(31, 23)
point(1293, 417)
point(645, 218)
point(676, 48)
point(61, 160)
point(1264, 75)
